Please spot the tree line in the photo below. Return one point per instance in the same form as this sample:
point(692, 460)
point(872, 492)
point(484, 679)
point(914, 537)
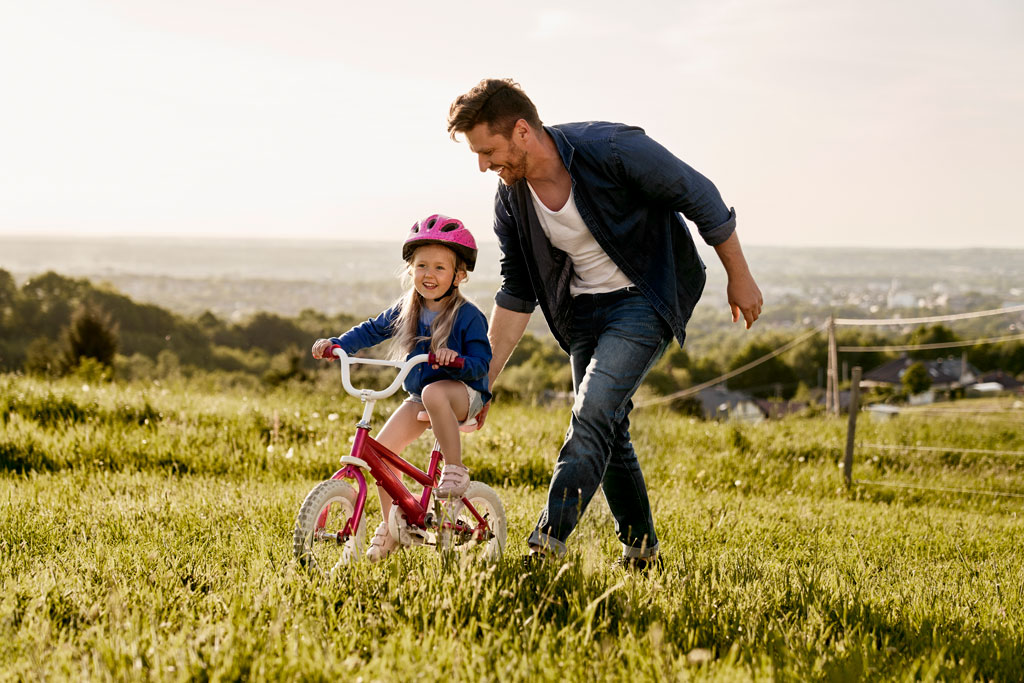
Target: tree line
point(43, 321)
point(53, 324)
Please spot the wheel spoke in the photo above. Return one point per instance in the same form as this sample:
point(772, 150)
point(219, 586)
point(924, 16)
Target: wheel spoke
point(478, 525)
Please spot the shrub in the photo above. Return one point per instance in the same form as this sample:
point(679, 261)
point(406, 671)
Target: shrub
point(91, 334)
point(168, 366)
point(916, 379)
point(135, 367)
point(287, 366)
point(43, 357)
point(90, 370)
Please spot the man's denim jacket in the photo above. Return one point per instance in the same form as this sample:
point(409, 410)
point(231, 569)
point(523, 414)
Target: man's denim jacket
point(629, 191)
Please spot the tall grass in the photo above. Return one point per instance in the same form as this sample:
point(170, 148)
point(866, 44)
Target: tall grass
point(144, 534)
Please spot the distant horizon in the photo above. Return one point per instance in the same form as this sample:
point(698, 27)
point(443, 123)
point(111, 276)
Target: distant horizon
point(237, 276)
point(227, 238)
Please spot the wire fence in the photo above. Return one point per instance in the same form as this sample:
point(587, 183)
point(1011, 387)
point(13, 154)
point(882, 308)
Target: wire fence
point(989, 416)
point(936, 345)
point(939, 489)
point(832, 372)
point(852, 445)
point(938, 449)
point(962, 411)
point(832, 392)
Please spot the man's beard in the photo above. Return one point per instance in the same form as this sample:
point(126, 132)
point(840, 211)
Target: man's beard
point(516, 166)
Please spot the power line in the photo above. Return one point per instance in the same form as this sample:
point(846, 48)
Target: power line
point(941, 489)
point(940, 449)
point(931, 319)
point(936, 345)
point(963, 413)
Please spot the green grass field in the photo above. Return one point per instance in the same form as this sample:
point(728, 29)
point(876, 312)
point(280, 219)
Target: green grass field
point(145, 533)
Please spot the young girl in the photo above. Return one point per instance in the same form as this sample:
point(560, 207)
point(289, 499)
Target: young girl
point(432, 316)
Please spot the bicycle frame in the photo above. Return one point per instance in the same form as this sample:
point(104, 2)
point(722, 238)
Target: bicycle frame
point(386, 467)
point(382, 465)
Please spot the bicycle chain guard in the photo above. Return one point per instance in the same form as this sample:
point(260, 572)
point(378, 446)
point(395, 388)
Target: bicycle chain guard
point(399, 528)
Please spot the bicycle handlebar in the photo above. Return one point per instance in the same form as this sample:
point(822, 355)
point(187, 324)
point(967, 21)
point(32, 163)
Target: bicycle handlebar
point(404, 368)
point(456, 363)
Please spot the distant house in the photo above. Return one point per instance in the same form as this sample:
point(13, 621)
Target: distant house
point(718, 403)
point(946, 373)
point(996, 381)
point(881, 411)
point(776, 409)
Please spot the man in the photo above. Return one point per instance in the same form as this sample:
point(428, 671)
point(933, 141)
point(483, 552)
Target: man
point(587, 219)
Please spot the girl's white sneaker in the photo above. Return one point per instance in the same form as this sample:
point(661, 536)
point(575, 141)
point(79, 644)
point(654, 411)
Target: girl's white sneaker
point(382, 544)
point(454, 482)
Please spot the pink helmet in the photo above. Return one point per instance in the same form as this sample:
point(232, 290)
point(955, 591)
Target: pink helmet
point(438, 229)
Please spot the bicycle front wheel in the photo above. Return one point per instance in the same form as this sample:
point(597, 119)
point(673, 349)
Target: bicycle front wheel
point(318, 540)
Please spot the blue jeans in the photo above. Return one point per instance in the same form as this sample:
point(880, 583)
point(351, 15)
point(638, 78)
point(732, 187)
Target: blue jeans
point(616, 338)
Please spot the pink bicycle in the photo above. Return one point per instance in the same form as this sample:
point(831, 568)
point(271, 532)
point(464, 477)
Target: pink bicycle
point(330, 530)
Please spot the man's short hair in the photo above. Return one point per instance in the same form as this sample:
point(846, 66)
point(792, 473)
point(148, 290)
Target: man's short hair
point(498, 102)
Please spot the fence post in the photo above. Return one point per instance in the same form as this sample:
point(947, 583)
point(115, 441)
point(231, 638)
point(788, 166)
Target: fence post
point(851, 429)
point(834, 352)
point(829, 408)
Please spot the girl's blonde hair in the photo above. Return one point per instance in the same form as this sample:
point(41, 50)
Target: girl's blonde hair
point(406, 326)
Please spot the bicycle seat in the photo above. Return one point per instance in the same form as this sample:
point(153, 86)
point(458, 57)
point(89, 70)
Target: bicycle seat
point(466, 426)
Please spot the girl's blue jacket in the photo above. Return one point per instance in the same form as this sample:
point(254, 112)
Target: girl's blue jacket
point(468, 339)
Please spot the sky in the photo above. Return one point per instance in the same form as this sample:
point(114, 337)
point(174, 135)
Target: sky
point(877, 123)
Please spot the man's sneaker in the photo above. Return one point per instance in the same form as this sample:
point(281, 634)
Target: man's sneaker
point(641, 565)
point(382, 544)
point(533, 560)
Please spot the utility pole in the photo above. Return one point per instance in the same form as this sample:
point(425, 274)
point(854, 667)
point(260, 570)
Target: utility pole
point(832, 386)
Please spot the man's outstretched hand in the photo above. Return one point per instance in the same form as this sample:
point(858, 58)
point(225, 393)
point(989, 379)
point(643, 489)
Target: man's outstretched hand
point(744, 296)
point(744, 299)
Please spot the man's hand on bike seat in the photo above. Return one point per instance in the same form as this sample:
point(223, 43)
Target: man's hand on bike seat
point(482, 415)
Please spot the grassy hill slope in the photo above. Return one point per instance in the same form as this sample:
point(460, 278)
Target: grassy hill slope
point(145, 534)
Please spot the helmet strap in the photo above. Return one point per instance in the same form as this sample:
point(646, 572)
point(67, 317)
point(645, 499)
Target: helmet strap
point(447, 294)
point(459, 264)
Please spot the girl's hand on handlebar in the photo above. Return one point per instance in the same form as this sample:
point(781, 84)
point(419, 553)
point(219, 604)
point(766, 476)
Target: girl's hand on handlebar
point(322, 348)
point(444, 357)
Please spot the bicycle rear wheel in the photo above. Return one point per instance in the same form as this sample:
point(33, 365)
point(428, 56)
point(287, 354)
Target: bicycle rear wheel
point(460, 529)
point(317, 541)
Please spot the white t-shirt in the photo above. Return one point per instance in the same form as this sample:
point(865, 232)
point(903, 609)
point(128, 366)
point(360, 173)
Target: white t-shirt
point(593, 271)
